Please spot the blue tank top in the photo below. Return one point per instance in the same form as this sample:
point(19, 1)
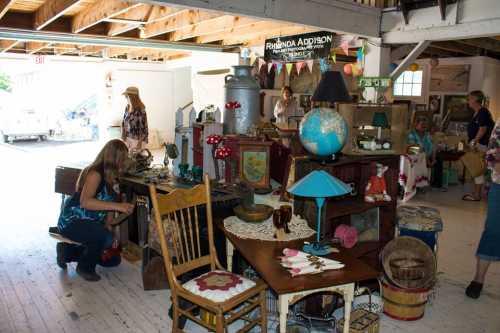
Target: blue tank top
point(72, 210)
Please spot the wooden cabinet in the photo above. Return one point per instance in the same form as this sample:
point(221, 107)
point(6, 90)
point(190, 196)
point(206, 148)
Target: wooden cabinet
point(354, 170)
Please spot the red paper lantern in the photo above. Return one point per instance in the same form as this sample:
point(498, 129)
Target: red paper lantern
point(214, 139)
point(222, 153)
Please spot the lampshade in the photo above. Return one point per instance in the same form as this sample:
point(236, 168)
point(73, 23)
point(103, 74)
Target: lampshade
point(331, 88)
point(380, 120)
point(319, 184)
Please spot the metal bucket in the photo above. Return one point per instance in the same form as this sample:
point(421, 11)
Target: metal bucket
point(243, 88)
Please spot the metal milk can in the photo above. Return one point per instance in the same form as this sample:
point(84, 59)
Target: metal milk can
point(243, 88)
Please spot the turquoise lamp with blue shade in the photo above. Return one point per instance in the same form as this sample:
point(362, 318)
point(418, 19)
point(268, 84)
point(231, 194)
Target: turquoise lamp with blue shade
point(319, 185)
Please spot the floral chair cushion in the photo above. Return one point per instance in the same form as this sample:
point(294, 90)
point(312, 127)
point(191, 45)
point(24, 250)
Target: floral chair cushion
point(218, 286)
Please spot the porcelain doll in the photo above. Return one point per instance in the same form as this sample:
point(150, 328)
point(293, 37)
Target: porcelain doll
point(376, 189)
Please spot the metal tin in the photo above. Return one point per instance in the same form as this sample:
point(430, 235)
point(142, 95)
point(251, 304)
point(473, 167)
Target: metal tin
point(243, 88)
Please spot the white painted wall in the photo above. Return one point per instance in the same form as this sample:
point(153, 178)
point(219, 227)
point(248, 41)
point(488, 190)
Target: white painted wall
point(484, 75)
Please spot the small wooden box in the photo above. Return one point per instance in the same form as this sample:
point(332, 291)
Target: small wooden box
point(362, 321)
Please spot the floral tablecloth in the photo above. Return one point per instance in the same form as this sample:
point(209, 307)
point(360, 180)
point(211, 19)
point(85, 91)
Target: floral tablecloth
point(413, 173)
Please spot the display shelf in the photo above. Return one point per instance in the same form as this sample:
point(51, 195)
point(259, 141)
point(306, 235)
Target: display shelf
point(337, 208)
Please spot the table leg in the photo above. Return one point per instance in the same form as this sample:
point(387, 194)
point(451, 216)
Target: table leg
point(283, 308)
point(348, 298)
point(229, 255)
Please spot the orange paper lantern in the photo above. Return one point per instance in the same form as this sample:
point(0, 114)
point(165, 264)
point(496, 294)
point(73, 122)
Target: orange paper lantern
point(413, 67)
point(348, 69)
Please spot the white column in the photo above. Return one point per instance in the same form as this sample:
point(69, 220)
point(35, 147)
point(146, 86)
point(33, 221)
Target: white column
point(377, 61)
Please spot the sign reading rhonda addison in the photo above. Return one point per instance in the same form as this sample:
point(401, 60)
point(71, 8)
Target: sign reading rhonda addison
point(313, 45)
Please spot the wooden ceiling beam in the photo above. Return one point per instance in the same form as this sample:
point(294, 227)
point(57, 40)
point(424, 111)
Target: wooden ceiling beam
point(254, 28)
point(6, 45)
point(140, 13)
point(483, 43)
point(179, 20)
point(225, 23)
point(434, 51)
point(100, 11)
point(260, 38)
point(5, 6)
point(34, 47)
point(455, 47)
point(51, 10)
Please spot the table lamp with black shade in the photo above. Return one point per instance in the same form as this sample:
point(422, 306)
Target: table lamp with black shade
point(323, 131)
point(319, 185)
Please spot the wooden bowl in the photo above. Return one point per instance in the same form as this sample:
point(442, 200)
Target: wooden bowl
point(259, 214)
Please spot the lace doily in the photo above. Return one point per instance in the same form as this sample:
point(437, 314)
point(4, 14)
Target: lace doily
point(265, 230)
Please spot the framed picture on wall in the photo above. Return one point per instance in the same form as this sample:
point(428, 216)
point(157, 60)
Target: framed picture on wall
point(254, 164)
point(435, 104)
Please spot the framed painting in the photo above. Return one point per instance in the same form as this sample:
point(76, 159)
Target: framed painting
point(254, 164)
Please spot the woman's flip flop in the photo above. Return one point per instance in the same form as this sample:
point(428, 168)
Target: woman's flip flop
point(469, 197)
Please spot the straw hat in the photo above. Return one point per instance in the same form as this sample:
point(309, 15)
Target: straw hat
point(409, 249)
point(131, 91)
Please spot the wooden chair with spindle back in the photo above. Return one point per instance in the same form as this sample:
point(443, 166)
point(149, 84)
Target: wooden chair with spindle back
point(219, 292)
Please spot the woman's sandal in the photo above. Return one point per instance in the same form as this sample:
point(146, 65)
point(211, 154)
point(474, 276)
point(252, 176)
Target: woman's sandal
point(474, 290)
point(469, 197)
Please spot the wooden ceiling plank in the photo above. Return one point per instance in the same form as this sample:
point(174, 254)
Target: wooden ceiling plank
point(260, 38)
point(6, 45)
point(178, 21)
point(5, 6)
point(51, 10)
point(140, 13)
point(100, 11)
point(452, 46)
point(159, 13)
point(256, 27)
point(34, 47)
point(484, 43)
point(225, 23)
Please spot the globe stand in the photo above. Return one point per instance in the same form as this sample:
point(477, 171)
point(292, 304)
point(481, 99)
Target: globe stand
point(316, 248)
point(324, 160)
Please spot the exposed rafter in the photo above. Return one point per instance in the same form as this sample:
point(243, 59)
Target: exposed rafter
point(225, 23)
point(4, 6)
point(50, 10)
point(100, 11)
point(34, 47)
point(259, 38)
point(233, 32)
point(454, 47)
point(419, 48)
point(136, 16)
point(334, 15)
point(484, 43)
point(179, 20)
point(6, 45)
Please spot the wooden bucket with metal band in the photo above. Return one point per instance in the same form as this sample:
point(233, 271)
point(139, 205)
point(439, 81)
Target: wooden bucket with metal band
point(208, 317)
point(404, 304)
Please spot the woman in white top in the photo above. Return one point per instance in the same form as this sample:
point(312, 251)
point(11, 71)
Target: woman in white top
point(286, 106)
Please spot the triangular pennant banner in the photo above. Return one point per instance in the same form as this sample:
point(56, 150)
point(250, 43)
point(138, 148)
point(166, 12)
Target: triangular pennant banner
point(345, 47)
point(334, 57)
point(299, 66)
point(253, 57)
point(323, 65)
point(279, 67)
point(360, 55)
point(289, 68)
point(261, 63)
point(310, 64)
point(269, 66)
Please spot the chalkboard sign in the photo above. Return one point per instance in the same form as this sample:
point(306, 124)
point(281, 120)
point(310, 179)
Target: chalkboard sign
point(313, 45)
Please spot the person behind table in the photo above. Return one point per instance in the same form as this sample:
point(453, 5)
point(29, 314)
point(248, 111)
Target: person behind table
point(135, 122)
point(285, 107)
point(86, 215)
point(478, 131)
point(420, 136)
point(488, 249)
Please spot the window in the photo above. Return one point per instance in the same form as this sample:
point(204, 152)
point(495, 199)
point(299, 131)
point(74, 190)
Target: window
point(408, 84)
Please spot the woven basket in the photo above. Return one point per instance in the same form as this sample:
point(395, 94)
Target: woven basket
point(407, 268)
point(361, 320)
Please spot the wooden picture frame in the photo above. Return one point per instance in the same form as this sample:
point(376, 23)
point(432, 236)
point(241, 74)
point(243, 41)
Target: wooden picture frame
point(254, 167)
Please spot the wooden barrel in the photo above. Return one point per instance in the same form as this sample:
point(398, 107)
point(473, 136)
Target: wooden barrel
point(404, 304)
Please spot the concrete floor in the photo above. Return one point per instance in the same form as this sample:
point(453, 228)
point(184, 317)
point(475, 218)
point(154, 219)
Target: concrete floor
point(35, 296)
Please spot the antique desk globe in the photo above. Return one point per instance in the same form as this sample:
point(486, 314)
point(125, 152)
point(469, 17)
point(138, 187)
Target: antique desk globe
point(323, 131)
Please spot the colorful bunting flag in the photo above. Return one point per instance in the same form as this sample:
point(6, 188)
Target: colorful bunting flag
point(269, 66)
point(253, 57)
point(310, 64)
point(279, 67)
point(334, 57)
point(323, 65)
point(289, 68)
point(299, 66)
point(360, 55)
point(345, 47)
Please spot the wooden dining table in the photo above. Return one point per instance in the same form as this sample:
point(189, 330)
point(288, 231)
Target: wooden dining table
point(263, 256)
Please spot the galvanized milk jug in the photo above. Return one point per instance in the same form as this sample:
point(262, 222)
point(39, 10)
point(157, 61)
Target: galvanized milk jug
point(244, 89)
